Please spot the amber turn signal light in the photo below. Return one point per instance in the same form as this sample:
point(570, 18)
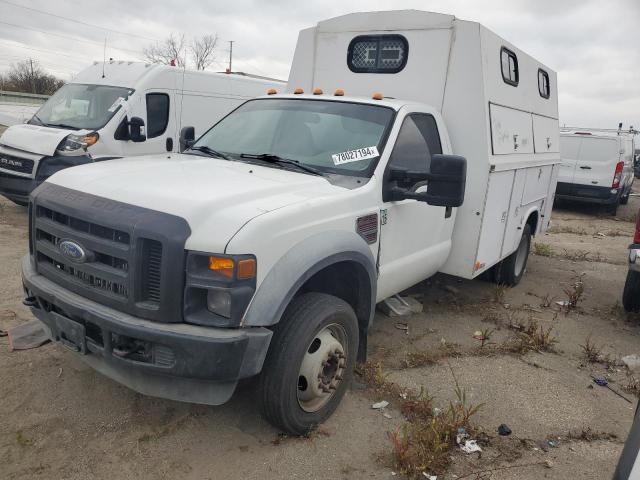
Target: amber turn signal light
point(377, 96)
point(339, 92)
point(272, 91)
point(298, 91)
point(223, 266)
point(317, 91)
point(246, 269)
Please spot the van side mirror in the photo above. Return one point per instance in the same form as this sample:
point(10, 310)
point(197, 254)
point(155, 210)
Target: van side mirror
point(136, 132)
point(187, 138)
point(445, 182)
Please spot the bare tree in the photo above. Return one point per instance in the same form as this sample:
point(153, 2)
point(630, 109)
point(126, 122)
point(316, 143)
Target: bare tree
point(203, 51)
point(28, 76)
point(172, 49)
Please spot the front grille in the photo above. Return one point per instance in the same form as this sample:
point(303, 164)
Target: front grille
point(119, 255)
point(109, 255)
point(16, 164)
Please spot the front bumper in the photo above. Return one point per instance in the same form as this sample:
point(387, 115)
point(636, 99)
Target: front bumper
point(587, 193)
point(178, 361)
point(17, 188)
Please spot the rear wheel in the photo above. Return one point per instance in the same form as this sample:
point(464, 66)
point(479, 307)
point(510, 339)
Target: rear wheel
point(625, 198)
point(310, 362)
point(631, 292)
point(510, 270)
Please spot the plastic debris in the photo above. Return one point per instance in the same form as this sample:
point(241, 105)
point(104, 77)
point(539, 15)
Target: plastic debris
point(462, 436)
point(601, 381)
point(563, 303)
point(380, 405)
point(470, 446)
point(504, 430)
point(404, 327)
point(552, 443)
point(478, 335)
point(631, 361)
point(436, 411)
point(430, 477)
point(387, 415)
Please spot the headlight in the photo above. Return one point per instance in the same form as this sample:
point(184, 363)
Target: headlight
point(218, 288)
point(77, 144)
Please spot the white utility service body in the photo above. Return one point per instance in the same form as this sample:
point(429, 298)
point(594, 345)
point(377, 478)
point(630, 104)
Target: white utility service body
point(86, 120)
point(597, 166)
point(265, 246)
point(508, 134)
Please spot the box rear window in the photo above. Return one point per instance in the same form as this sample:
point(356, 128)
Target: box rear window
point(377, 54)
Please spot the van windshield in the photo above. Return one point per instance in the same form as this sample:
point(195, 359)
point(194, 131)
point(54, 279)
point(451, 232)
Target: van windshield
point(78, 106)
point(329, 136)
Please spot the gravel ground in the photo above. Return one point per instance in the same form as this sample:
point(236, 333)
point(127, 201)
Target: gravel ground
point(63, 420)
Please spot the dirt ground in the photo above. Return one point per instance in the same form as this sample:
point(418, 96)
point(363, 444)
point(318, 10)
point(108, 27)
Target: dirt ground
point(60, 419)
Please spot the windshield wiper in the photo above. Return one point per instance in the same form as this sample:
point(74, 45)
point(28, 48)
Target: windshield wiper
point(61, 125)
point(209, 151)
point(271, 158)
point(39, 120)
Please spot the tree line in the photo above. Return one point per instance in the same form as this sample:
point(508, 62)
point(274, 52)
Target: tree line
point(29, 77)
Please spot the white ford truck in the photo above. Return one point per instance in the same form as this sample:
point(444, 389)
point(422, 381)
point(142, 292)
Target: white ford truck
point(410, 143)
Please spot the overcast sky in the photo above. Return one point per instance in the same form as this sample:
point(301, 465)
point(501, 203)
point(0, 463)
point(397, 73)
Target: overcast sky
point(594, 45)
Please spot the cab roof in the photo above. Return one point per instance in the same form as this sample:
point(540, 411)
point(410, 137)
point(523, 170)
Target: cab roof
point(385, 102)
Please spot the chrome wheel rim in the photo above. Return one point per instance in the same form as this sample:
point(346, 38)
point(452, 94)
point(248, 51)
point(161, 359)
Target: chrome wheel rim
point(322, 369)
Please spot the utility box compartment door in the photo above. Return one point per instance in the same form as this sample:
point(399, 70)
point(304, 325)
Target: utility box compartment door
point(494, 219)
point(546, 134)
point(537, 184)
point(513, 231)
point(511, 130)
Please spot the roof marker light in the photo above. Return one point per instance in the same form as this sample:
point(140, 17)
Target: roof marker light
point(272, 91)
point(339, 92)
point(377, 96)
point(317, 91)
point(298, 91)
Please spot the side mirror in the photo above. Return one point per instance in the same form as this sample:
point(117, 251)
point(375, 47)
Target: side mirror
point(136, 126)
point(445, 182)
point(187, 138)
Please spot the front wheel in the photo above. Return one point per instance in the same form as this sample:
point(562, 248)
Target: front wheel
point(631, 292)
point(310, 362)
point(510, 270)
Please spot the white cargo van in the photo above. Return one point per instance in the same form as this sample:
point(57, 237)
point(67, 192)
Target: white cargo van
point(264, 248)
point(597, 166)
point(114, 110)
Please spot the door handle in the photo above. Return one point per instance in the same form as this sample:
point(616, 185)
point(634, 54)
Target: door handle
point(585, 168)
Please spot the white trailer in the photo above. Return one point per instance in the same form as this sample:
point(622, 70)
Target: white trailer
point(499, 104)
point(264, 247)
point(113, 110)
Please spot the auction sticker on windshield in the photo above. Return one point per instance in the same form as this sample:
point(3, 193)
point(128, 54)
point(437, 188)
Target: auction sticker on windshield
point(364, 153)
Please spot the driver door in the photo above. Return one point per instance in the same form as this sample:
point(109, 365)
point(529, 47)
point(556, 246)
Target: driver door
point(415, 237)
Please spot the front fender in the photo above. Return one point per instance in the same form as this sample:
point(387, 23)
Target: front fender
point(299, 264)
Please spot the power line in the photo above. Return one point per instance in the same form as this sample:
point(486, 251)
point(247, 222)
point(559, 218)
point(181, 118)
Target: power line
point(47, 50)
point(67, 37)
point(79, 21)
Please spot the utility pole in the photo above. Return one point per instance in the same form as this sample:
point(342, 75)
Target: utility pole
point(230, 54)
point(33, 84)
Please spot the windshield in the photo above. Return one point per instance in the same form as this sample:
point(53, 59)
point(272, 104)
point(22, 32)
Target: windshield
point(81, 106)
point(329, 136)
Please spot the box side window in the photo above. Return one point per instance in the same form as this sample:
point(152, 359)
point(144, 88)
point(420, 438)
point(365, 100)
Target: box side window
point(157, 114)
point(510, 71)
point(417, 140)
point(544, 87)
point(377, 54)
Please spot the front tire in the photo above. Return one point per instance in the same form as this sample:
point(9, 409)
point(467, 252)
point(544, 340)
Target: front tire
point(510, 270)
point(631, 292)
point(310, 362)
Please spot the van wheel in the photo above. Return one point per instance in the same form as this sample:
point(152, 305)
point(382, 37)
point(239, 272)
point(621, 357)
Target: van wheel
point(631, 292)
point(309, 363)
point(510, 270)
point(625, 199)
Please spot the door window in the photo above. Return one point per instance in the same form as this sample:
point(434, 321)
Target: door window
point(418, 139)
point(157, 114)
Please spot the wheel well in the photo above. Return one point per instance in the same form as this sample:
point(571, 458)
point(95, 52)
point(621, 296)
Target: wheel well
point(532, 221)
point(350, 282)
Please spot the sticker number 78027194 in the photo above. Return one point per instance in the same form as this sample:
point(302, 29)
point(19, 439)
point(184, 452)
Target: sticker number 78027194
point(356, 155)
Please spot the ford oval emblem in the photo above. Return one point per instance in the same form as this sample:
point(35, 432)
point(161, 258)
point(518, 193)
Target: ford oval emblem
point(73, 251)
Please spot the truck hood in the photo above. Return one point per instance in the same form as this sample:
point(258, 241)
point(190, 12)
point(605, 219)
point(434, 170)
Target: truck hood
point(216, 197)
point(36, 138)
